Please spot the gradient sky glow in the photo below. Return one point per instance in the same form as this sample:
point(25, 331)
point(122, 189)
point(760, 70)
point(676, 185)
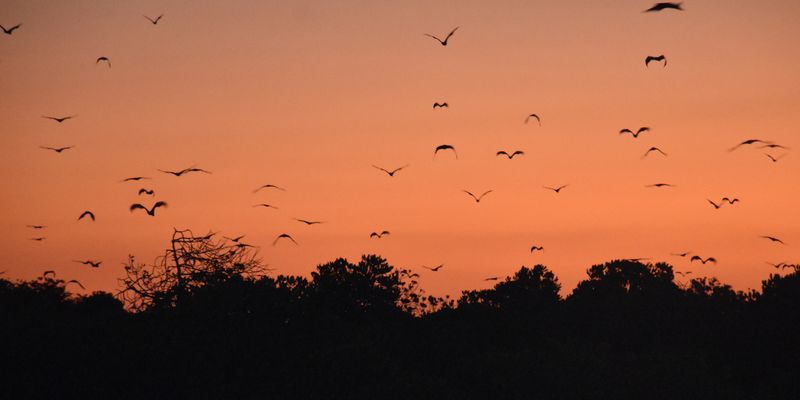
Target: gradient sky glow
point(308, 94)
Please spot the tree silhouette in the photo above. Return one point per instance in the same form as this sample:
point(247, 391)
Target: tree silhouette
point(191, 262)
point(528, 290)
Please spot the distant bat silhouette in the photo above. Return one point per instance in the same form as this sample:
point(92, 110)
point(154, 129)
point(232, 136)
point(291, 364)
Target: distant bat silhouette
point(440, 105)
point(10, 30)
point(149, 192)
point(444, 42)
point(510, 156)
point(135, 178)
point(652, 149)
point(185, 171)
point(774, 146)
point(307, 222)
point(535, 248)
point(265, 205)
point(491, 278)
point(283, 236)
point(75, 282)
point(45, 273)
point(773, 239)
point(60, 119)
point(558, 189)
point(56, 149)
point(86, 213)
point(698, 258)
point(773, 158)
point(716, 206)
point(38, 239)
point(635, 134)
point(379, 235)
point(392, 172)
point(103, 59)
point(730, 201)
point(154, 21)
point(434, 269)
point(152, 211)
point(93, 264)
point(655, 58)
point(533, 116)
point(236, 239)
point(445, 147)
point(665, 6)
point(477, 198)
point(684, 254)
point(778, 265)
point(36, 226)
point(268, 186)
point(748, 142)
point(658, 185)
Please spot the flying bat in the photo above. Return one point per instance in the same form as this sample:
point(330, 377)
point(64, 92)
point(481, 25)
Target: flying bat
point(152, 211)
point(558, 189)
point(434, 269)
point(665, 6)
point(510, 156)
point(56, 149)
point(154, 21)
point(148, 192)
point(533, 116)
point(698, 258)
point(10, 30)
point(93, 264)
point(440, 105)
point(103, 59)
point(307, 222)
point(655, 58)
point(283, 236)
point(652, 149)
point(86, 213)
point(444, 42)
point(379, 235)
point(658, 185)
point(748, 142)
point(535, 248)
point(268, 186)
point(392, 172)
point(773, 239)
point(59, 119)
point(635, 134)
point(477, 198)
point(445, 147)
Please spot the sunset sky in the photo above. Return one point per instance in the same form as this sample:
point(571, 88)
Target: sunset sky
point(307, 95)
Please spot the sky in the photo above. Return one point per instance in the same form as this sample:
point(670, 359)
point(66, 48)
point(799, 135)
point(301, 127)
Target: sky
point(308, 95)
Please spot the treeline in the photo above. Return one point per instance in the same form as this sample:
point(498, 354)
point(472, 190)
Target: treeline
point(367, 330)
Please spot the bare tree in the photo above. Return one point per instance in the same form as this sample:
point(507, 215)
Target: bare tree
point(191, 262)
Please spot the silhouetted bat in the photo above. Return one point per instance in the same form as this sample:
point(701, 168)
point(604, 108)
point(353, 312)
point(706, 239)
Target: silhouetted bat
point(477, 198)
point(445, 147)
point(747, 142)
point(307, 222)
point(655, 58)
point(698, 258)
point(658, 185)
point(665, 6)
point(440, 105)
point(283, 236)
point(152, 211)
point(146, 191)
point(392, 172)
point(93, 264)
point(653, 149)
point(510, 156)
point(637, 133)
point(533, 116)
point(86, 214)
point(557, 190)
point(154, 21)
point(535, 248)
point(268, 186)
point(59, 119)
point(56, 149)
point(773, 239)
point(378, 235)
point(265, 205)
point(443, 42)
point(10, 30)
point(434, 269)
point(100, 59)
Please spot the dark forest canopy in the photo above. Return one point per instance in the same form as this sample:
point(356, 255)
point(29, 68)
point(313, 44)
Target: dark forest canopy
point(224, 328)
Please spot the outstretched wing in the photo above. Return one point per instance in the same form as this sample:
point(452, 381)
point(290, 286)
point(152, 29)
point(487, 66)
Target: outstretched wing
point(437, 39)
point(451, 33)
point(159, 204)
point(137, 206)
point(502, 153)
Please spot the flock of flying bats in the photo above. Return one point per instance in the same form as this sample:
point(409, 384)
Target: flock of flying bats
point(151, 211)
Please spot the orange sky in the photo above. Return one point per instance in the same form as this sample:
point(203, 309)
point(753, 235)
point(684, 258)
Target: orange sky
point(308, 94)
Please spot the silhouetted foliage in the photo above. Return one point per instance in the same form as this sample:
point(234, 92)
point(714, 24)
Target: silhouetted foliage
point(367, 330)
